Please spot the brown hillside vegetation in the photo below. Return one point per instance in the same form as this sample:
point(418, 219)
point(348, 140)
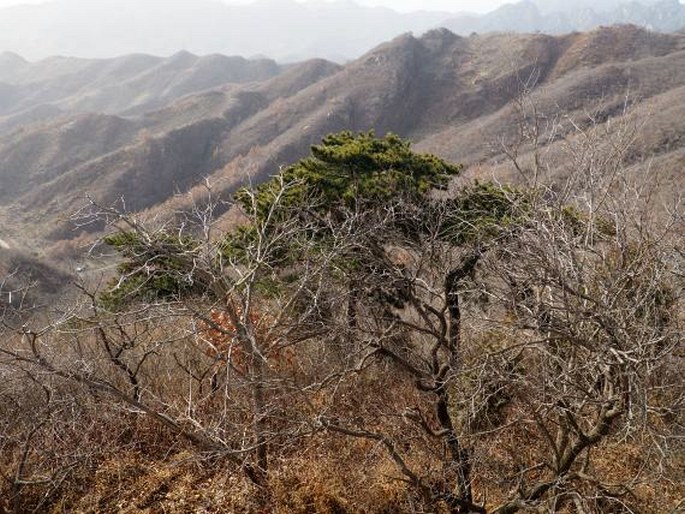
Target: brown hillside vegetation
point(452, 96)
point(488, 321)
point(127, 85)
point(363, 344)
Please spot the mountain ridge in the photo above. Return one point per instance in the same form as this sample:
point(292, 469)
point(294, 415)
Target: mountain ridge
point(451, 95)
point(288, 31)
point(531, 16)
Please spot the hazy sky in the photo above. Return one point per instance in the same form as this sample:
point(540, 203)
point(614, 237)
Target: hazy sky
point(437, 5)
point(399, 5)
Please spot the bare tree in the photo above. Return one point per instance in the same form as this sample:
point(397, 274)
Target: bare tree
point(492, 345)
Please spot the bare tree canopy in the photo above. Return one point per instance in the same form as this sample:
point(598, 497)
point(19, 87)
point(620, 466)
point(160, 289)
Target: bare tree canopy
point(474, 348)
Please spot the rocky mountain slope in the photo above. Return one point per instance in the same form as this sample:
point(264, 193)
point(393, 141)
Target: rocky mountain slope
point(451, 95)
point(125, 85)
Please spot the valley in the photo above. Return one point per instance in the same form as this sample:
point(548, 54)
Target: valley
point(227, 120)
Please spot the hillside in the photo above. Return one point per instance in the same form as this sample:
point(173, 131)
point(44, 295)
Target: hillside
point(552, 17)
point(450, 95)
point(33, 91)
point(370, 329)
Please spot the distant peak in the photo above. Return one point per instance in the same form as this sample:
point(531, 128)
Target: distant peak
point(183, 55)
point(526, 5)
point(11, 57)
point(440, 33)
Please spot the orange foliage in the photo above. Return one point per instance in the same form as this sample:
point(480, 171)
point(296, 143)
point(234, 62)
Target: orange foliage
point(223, 345)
